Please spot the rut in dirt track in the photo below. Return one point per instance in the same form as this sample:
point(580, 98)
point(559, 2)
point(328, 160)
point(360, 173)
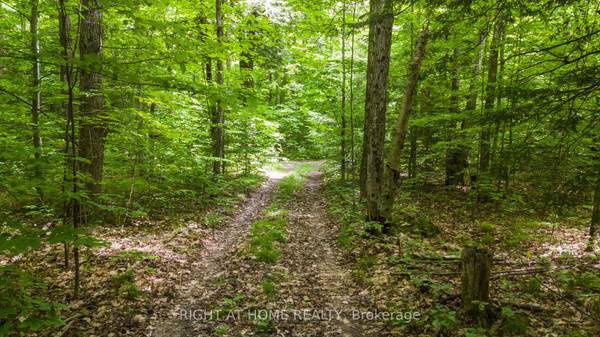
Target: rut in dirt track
point(214, 252)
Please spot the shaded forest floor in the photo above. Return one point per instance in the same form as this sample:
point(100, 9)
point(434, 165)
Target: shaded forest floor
point(543, 282)
point(292, 258)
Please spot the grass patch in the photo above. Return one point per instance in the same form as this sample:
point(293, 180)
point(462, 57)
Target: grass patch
point(214, 220)
point(264, 326)
point(222, 330)
point(266, 237)
point(291, 185)
point(268, 288)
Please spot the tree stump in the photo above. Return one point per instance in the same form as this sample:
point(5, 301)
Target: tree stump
point(476, 264)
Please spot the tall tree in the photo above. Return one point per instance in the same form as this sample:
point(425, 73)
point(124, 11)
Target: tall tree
point(381, 20)
point(392, 173)
point(218, 118)
point(94, 123)
point(595, 222)
point(484, 152)
point(456, 153)
point(471, 104)
point(351, 103)
point(343, 101)
point(36, 99)
point(72, 208)
point(64, 36)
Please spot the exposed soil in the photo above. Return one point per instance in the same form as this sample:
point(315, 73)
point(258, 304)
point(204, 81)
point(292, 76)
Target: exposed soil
point(314, 292)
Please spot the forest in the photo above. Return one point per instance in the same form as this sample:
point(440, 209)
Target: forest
point(299, 168)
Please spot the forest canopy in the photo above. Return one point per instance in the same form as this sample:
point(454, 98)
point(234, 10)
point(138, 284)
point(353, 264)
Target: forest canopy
point(448, 150)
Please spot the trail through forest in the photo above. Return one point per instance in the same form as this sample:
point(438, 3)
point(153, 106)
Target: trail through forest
point(315, 293)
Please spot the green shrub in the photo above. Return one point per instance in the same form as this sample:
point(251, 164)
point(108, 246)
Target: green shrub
point(514, 322)
point(21, 310)
point(125, 285)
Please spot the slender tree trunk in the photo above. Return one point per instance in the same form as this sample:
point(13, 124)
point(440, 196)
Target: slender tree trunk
point(70, 139)
point(282, 86)
point(595, 222)
point(270, 80)
point(93, 125)
point(484, 153)
point(36, 99)
point(456, 154)
point(497, 160)
point(381, 21)
point(343, 112)
point(595, 217)
point(363, 162)
point(246, 69)
point(352, 149)
point(472, 100)
point(64, 31)
point(218, 118)
point(392, 174)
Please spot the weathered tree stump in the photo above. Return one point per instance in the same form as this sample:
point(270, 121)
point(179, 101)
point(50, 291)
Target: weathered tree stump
point(476, 264)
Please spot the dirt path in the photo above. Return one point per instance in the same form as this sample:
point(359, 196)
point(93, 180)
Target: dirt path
point(313, 292)
point(319, 280)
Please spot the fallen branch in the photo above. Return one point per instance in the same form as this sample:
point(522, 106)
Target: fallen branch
point(527, 306)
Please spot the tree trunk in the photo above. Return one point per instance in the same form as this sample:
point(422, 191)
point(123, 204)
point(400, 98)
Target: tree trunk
point(476, 264)
point(472, 101)
point(381, 21)
point(363, 162)
point(246, 69)
point(93, 124)
point(343, 107)
point(595, 214)
point(64, 31)
point(392, 174)
point(352, 153)
point(70, 134)
point(36, 99)
point(456, 154)
point(484, 153)
point(218, 118)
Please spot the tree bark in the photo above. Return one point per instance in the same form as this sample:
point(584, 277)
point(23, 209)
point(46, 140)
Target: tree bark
point(70, 134)
point(392, 174)
point(476, 264)
point(218, 118)
point(64, 31)
point(352, 153)
point(93, 125)
point(484, 153)
point(380, 39)
point(343, 107)
point(363, 161)
point(36, 99)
